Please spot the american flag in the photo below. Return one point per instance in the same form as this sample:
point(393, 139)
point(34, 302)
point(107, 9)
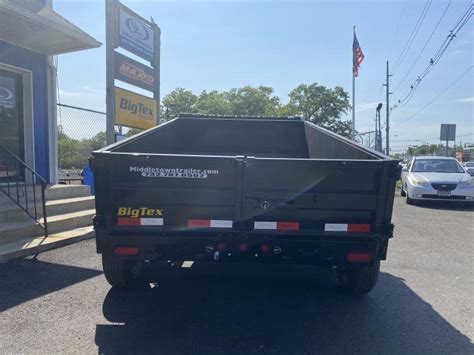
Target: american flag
point(357, 56)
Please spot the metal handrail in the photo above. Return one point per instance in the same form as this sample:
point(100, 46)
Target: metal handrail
point(15, 185)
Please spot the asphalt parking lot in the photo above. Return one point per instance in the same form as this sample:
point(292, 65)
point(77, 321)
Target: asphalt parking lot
point(423, 303)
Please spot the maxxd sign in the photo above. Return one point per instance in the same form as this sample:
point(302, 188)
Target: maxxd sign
point(134, 110)
point(133, 72)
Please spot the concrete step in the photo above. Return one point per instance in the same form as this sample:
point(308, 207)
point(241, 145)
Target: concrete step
point(30, 197)
point(35, 245)
point(12, 213)
point(69, 221)
point(60, 192)
point(14, 231)
point(69, 205)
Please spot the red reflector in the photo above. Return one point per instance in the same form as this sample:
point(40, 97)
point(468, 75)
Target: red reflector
point(243, 248)
point(126, 251)
point(265, 248)
point(128, 221)
point(286, 226)
point(199, 223)
point(359, 257)
point(364, 228)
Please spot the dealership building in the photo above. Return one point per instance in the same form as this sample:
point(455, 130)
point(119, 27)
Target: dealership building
point(31, 33)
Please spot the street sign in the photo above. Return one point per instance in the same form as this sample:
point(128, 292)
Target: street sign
point(448, 132)
point(134, 73)
point(135, 34)
point(134, 110)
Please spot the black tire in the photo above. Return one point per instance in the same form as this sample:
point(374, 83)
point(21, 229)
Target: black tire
point(119, 272)
point(402, 192)
point(359, 280)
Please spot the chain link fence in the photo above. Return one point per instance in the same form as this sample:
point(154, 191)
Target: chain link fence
point(80, 131)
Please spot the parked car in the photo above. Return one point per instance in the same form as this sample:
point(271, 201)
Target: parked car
point(436, 178)
point(469, 166)
point(243, 189)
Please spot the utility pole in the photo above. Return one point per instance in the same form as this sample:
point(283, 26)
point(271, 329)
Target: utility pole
point(353, 93)
point(110, 41)
point(387, 112)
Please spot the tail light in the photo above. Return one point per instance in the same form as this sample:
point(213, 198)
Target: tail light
point(126, 251)
point(359, 257)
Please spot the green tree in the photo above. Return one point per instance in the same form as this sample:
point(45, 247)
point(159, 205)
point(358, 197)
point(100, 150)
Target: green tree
point(94, 143)
point(178, 100)
point(322, 106)
point(68, 152)
point(252, 101)
point(213, 103)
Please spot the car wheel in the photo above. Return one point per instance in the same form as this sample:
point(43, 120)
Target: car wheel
point(359, 280)
point(119, 272)
point(402, 192)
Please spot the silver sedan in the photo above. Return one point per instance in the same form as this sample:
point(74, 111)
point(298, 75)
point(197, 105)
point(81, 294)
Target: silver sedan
point(436, 178)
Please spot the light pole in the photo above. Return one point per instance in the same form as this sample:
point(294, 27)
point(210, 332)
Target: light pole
point(378, 130)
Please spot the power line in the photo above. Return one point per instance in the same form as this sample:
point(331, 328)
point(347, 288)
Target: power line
point(426, 44)
point(436, 58)
point(397, 30)
point(436, 97)
point(413, 34)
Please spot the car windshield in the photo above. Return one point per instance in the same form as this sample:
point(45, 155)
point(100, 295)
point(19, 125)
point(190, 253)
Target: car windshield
point(436, 166)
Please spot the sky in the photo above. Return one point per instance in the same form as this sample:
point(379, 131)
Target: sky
point(221, 45)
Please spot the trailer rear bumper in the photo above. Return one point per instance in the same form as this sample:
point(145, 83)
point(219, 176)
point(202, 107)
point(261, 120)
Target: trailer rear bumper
point(260, 247)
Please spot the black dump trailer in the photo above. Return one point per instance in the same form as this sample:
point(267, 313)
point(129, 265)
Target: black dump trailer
point(243, 189)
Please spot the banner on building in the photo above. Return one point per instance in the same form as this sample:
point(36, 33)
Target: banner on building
point(134, 110)
point(134, 73)
point(135, 35)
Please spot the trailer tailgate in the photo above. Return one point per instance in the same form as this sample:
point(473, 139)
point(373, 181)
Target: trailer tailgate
point(169, 191)
point(312, 194)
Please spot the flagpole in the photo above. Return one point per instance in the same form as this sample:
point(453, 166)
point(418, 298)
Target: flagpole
point(353, 92)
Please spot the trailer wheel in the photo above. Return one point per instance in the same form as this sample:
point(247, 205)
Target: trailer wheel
point(120, 273)
point(361, 279)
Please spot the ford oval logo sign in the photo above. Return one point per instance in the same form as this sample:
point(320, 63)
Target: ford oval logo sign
point(138, 29)
point(5, 94)
point(136, 35)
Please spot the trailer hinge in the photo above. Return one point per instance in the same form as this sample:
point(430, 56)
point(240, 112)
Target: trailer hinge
point(247, 161)
point(388, 229)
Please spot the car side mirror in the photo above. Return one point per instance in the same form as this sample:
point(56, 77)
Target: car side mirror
point(405, 169)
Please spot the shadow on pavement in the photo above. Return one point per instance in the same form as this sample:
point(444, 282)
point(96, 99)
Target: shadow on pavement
point(24, 280)
point(294, 313)
point(448, 206)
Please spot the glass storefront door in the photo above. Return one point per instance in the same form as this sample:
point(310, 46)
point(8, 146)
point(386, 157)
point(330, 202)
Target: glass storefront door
point(11, 122)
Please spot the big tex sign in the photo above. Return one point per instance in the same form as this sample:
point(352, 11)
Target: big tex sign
point(134, 110)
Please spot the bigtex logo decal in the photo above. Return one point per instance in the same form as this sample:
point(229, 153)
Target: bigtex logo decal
point(140, 216)
point(139, 109)
point(139, 212)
